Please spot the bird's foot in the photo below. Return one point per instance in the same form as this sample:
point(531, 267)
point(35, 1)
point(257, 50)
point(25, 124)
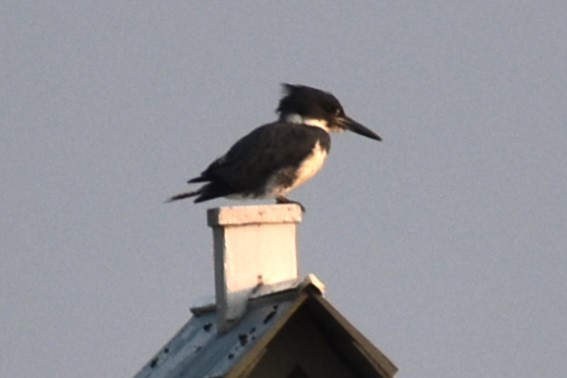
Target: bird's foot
point(282, 200)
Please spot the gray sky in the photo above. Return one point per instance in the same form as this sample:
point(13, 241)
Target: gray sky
point(445, 244)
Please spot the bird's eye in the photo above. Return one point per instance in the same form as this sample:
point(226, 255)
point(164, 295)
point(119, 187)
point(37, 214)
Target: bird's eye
point(333, 110)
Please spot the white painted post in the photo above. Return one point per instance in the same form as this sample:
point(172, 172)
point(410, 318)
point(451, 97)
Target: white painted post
point(253, 246)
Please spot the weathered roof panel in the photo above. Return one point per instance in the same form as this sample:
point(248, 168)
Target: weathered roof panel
point(198, 350)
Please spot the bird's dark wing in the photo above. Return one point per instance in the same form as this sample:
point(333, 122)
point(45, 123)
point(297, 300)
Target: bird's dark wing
point(269, 148)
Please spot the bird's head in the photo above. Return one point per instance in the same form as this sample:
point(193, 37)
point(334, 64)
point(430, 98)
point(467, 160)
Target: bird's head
point(314, 107)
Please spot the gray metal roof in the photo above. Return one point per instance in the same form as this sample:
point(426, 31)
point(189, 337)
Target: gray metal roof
point(199, 351)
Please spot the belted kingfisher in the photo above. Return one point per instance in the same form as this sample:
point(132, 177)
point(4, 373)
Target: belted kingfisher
point(276, 158)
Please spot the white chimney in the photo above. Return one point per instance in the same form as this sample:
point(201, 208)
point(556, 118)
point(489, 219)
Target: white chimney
point(254, 246)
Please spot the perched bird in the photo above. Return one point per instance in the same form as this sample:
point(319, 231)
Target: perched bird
point(276, 158)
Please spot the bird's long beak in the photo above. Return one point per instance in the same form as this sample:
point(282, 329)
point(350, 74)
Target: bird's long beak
point(355, 127)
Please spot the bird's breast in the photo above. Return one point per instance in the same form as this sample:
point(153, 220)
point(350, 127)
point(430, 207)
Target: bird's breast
point(288, 178)
point(310, 166)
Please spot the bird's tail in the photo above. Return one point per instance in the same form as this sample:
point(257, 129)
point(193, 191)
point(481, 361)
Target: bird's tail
point(183, 196)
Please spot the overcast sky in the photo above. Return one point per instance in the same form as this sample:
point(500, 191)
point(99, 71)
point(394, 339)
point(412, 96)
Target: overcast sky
point(446, 244)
